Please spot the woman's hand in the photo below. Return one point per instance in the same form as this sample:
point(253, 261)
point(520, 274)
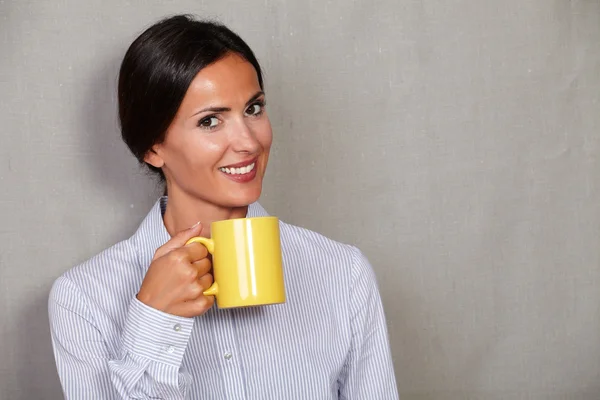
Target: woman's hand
point(177, 277)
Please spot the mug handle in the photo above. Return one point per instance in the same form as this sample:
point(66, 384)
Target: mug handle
point(210, 246)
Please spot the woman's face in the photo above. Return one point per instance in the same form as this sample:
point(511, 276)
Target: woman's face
point(217, 147)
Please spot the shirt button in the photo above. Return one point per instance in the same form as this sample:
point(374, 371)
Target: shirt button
point(177, 328)
point(170, 349)
point(228, 356)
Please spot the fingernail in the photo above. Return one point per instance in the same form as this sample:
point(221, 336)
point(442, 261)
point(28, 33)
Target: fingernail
point(195, 225)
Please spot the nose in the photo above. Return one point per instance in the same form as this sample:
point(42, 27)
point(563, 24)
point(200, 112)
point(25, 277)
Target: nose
point(244, 139)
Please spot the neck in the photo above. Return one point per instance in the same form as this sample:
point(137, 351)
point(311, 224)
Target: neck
point(183, 211)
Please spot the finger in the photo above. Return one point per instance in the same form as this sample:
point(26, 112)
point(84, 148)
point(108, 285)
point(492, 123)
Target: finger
point(192, 252)
point(179, 240)
point(203, 266)
point(192, 291)
point(205, 281)
point(195, 289)
point(188, 254)
point(194, 308)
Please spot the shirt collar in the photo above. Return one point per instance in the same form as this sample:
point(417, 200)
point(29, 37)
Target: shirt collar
point(152, 232)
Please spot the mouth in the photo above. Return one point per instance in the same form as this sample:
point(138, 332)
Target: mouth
point(240, 168)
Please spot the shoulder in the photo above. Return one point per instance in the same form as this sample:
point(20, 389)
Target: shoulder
point(114, 261)
point(101, 276)
point(315, 262)
point(316, 245)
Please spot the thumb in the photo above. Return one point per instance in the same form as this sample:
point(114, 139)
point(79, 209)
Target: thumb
point(179, 240)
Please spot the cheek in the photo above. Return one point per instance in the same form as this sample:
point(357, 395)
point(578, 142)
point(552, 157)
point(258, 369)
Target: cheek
point(265, 135)
point(200, 152)
point(209, 149)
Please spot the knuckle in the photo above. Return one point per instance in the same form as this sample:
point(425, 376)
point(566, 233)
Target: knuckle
point(177, 256)
point(191, 273)
point(195, 290)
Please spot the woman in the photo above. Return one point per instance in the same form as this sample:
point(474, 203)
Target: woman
point(132, 322)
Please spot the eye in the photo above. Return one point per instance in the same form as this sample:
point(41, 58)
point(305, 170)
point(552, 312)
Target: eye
point(209, 123)
point(256, 109)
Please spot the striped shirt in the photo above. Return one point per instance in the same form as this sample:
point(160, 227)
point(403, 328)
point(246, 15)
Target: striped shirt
point(328, 341)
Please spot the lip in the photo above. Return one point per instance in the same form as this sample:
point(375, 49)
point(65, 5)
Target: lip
point(241, 164)
point(241, 178)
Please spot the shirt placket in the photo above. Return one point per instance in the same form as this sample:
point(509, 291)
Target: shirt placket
point(230, 357)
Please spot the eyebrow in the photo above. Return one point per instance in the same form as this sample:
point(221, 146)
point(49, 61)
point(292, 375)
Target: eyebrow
point(225, 109)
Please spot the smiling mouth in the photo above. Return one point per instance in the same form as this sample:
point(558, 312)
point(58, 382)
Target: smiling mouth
point(239, 171)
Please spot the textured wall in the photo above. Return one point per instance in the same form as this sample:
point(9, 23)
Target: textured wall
point(455, 142)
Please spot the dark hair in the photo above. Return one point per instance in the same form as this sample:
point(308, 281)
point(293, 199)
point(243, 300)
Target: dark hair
point(157, 70)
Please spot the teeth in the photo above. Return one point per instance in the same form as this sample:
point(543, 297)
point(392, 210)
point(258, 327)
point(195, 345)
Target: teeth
point(239, 171)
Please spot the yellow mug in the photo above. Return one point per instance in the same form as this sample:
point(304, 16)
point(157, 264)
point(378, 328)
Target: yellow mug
point(247, 266)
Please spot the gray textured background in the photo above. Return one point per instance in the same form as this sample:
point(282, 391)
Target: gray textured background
point(455, 142)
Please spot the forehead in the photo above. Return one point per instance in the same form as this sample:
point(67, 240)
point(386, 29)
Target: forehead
point(231, 79)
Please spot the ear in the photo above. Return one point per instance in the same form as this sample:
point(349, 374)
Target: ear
point(153, 157)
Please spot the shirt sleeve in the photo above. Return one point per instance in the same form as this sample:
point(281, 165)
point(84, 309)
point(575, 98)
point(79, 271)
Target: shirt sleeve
point(146, 365)
point(368, 372)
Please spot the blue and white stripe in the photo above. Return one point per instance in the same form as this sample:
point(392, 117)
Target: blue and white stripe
point(328, 341)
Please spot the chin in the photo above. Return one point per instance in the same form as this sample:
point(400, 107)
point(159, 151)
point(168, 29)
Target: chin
point(243, 199)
